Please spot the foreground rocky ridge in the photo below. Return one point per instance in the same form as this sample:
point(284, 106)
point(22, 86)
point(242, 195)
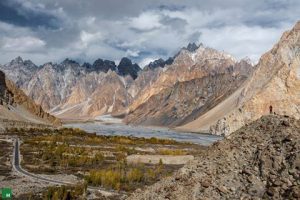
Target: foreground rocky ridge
point(260, 160)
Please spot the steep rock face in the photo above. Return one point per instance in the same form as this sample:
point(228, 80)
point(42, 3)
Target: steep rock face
point(175, 96)
point(145, 78)
point(184, 68)
point(16, 106)
point(259, 161)
point(53, 83)
point(185, 101)
point(126, 67)
point(109, 95)
point(112, 94)
point(275, 82)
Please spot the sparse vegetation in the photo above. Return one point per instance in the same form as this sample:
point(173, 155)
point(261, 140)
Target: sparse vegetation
point(65, 192)
point(100, 160)
point(127, 177)
point(5, 166)
point(173, 152)
point(57, 193)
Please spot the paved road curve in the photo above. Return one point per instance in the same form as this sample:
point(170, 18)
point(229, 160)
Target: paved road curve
point(18, 168)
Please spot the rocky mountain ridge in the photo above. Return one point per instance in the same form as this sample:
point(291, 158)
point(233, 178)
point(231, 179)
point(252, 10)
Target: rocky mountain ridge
point(198, 79)
point(200, 89)
point(273, 87)
point(53, 86)
point(70, 89)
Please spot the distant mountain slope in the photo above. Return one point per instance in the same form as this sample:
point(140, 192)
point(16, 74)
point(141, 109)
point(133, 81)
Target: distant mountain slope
point(197, 80)
point(274, 86)
point(109, 95)
point(68, 86)
point(16, 106)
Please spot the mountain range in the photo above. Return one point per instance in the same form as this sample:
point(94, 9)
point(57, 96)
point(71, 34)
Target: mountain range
point(199, 89)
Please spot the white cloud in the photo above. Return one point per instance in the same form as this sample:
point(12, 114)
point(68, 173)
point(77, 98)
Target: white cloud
point(242, 41)
point(22, 44)
point(145, 30)
point(87, 38)
point(146, 21)
point(132, 53)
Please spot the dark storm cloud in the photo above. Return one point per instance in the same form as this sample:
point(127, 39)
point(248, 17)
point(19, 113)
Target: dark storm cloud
point(194, 37)
point(176, 24)
point(15, 13)
point(45, 30)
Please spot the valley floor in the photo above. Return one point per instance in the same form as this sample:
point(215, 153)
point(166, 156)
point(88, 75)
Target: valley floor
point(103, 163)
point(259, 161)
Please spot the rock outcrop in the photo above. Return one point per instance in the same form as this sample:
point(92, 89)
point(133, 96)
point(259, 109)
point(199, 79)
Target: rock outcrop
point(259, 161)
point(273, 87)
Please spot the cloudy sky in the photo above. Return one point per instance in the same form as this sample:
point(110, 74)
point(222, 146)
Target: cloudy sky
point(83, 30)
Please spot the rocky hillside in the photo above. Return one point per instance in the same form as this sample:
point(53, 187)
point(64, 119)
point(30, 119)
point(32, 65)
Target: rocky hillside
point(273, 87)
point(259, 161)
point(16, 106)
point(197, 80)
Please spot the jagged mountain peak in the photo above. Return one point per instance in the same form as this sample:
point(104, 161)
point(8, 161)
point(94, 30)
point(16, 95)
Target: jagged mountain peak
point(126, 67)
point(86, 65)
point(104, 65)
point(17, 60)
point(158, 63)
point(202, 53)
point(125, 62)
point(191, 47)
point(68, 61)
